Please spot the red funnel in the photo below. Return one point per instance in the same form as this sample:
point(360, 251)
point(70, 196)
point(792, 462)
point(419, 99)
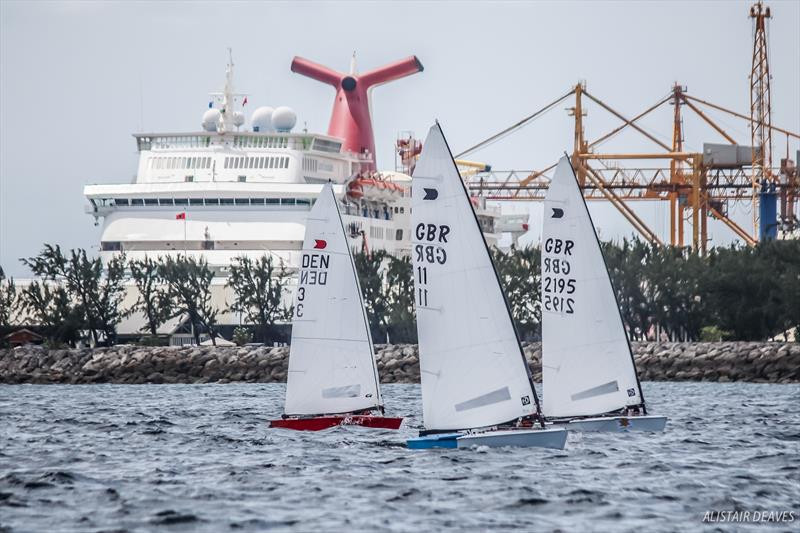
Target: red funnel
point(351, 118)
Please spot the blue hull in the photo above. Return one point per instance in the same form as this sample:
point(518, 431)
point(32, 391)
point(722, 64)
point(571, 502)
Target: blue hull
point(439, 440)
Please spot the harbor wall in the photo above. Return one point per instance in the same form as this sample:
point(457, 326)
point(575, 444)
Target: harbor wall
point(692, 361)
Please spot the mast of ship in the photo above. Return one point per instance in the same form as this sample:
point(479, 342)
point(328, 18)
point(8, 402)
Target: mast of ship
point(228, 99)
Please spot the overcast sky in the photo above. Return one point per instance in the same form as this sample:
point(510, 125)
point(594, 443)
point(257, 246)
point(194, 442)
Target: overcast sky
point(77, 78)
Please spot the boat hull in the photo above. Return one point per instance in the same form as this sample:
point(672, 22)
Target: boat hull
point(318, 423)
point(618, 424)
point(520, 438)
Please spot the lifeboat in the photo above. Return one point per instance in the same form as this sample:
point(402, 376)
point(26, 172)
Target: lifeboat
point(374, 188)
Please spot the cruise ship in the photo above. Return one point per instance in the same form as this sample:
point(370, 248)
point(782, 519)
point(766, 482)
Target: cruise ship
point(244, 186)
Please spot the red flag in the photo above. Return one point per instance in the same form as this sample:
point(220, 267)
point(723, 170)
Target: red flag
point(180, 216)
point(244, 102)
point(319, 244)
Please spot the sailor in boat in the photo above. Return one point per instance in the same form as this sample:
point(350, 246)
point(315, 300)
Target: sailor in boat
point(333, 378)
point(588, 372)
point(476, 384)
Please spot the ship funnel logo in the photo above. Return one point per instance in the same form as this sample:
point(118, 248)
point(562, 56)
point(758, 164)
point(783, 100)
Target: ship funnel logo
point(557, 213)
point(431, 194)
point(319, 244)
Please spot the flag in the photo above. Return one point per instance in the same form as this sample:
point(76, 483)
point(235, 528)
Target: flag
point(180, 216)
point(210, 105)
point(244, 102)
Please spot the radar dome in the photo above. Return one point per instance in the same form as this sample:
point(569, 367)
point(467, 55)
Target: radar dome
point(211, 120)
point(238, 118)
point(261, 119)
point(284, 118)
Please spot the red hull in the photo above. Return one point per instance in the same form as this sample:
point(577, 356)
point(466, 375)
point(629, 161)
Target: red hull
point(325, 422)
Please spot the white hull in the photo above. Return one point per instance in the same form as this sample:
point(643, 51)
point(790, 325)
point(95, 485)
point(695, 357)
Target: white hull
point(617, 424)
point(519, 438)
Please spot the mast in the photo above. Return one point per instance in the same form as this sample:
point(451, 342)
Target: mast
point(361, 302)
point(227, 99)
point(497, 278)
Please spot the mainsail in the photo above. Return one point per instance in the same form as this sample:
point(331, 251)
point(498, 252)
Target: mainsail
point(587, 367)
point(331, 362)
point(472, 367)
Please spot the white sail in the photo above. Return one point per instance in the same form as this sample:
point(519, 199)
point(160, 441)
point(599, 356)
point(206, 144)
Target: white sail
point(587, 367)
point(331, 361)
point(472, 368)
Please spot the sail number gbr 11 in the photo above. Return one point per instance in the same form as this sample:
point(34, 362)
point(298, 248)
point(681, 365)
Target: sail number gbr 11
point(557, 287)
point(428, 253)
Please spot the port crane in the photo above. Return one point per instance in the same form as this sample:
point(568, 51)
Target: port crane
point(696, 185)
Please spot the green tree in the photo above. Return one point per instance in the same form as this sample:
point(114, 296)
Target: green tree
point(399, 294)
point(50, 306)
point(519, 271)
point(259, 288)
point(189, 287)
point(369, 267)
point(97, 291)
point(8, 300)
point(153, 301)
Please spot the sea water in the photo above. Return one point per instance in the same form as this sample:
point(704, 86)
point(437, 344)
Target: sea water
point(201, 458)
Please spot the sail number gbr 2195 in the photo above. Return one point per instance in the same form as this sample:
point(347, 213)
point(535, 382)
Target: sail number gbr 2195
point(558, 289)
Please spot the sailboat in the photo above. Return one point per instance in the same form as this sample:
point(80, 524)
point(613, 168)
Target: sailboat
point(588, 372)
point(333, 378)
point(476, 384)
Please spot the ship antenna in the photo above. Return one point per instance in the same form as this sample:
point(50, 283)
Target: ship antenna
point(353, 63)
point(227, 96)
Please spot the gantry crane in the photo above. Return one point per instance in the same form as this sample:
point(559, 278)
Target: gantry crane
point(696, 185)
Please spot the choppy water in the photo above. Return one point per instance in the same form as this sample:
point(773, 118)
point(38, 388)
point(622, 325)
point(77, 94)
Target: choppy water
point(200, 458)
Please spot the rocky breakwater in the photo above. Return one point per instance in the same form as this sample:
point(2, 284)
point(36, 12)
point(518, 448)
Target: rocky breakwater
point(713, 361)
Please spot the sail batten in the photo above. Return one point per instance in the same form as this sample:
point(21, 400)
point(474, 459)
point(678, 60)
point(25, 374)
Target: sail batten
point(472, 367)
point(331, 361)
point(587, 366)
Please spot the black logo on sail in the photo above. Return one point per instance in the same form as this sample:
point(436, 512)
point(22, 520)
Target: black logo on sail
point(557, 213)
point(431, 194)
point(631, 393)
point(526, 400)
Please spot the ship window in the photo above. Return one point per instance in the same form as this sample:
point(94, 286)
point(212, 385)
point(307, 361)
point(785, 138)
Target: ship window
point(324, 145)
point(260, 162)
point(137, 201)
point(227, 162)
point(195, 201)
point(271, 162)
point(212, 201)
point(251, 162)
point(273, 200)
point(226, 201)
point(242, 201)
point(193, 163)
point(256, 201)
point(188, 178)
point(398, 235)
point(303, 202)
point(208, 162)
point(111, 246)
point(402, 209)
point(120, 201)
point(235, 162)
point(288, 201)
point(165, 201)
point(242, 179)
point(285, 162)
point(181, 201)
